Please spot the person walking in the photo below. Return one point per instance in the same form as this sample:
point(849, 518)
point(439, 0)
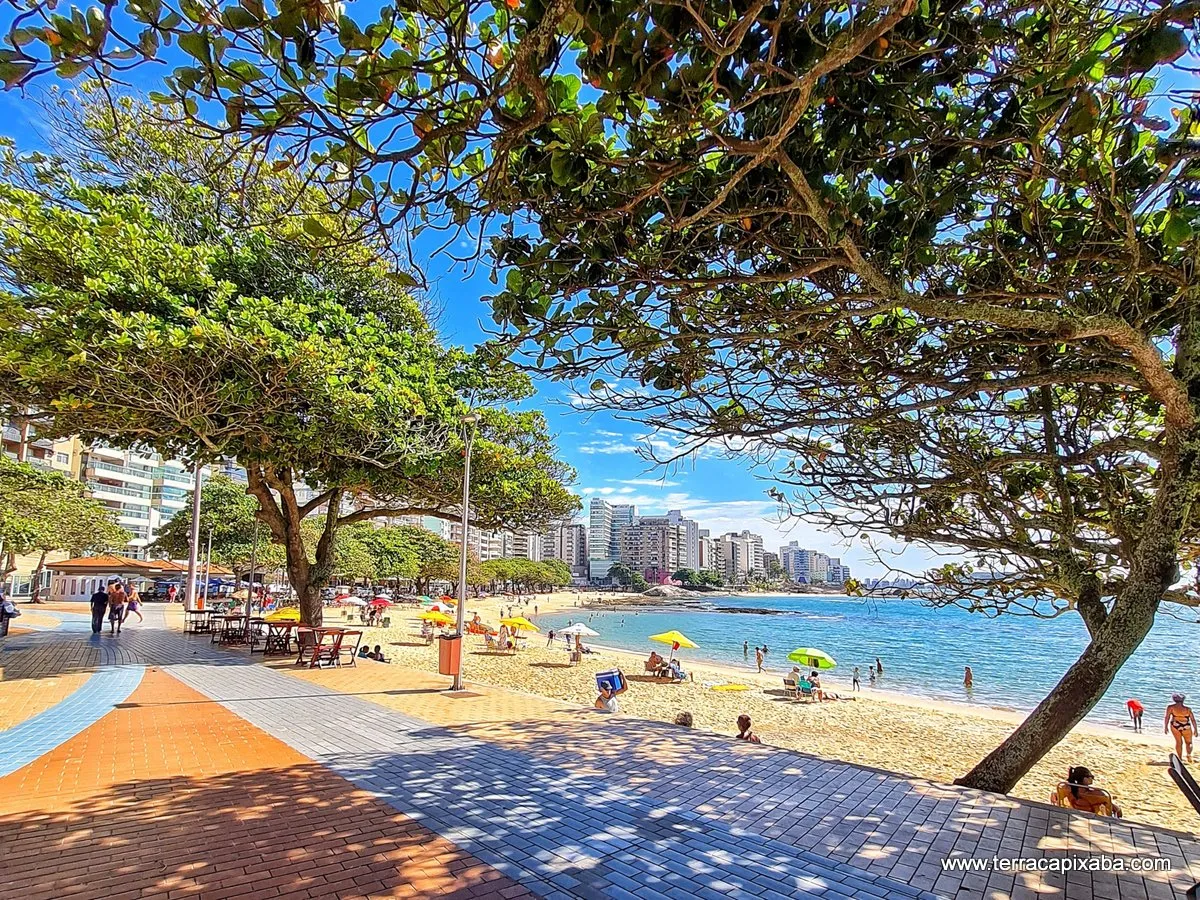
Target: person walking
point(8, 611)
point(171, 592)
point(99, 603)
point(116, 607)
point(1180, 723)
point(758, 657)
point(878, 667)
point(855, 681)
point(968, 677)
point(133, 604)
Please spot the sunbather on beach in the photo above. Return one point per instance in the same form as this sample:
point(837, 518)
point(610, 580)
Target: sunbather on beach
point(677, 671)
point(744, 732)
point(1083, 796)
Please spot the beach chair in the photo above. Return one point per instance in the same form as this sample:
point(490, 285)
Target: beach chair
point(804, 690)
point(792, 686)
point(1191, 790)
point(348, 647)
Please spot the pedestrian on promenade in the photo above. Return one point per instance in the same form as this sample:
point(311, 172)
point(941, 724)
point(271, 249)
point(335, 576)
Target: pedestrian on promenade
point(133, 604)
point(855, 682)
point(171, 592)
point(116, 607)
point(8, 611)
point(99, 604)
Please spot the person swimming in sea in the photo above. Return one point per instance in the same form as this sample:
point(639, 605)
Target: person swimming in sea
point(1180, 723)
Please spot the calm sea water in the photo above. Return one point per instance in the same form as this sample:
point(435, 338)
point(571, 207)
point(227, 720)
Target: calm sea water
point(1016, 660)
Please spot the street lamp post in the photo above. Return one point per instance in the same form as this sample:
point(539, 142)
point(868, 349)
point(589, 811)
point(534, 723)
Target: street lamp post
point(189, 595)
point(468, 422)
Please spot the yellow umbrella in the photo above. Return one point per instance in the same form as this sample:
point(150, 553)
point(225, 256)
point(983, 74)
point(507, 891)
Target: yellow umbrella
point(519, 622)
point(287, 614)
point(437, 618)
point(674, 637)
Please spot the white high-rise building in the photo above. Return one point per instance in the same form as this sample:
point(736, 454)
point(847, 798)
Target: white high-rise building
point(522, 545)
point(486, 544)
point(652, 545)
point(689, 551)
point(600, 530)
point(144, 490)
point(741, 556)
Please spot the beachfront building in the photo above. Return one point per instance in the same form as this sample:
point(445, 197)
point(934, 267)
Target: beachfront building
point(522, 545)
point(741, 556)
point(689, 550)
point(79, 578)
point(653, 546)
point(567, 541)
point(144, 490)
point(486, 544)
point(605, 521)
point(838, 574)
point(811, 566)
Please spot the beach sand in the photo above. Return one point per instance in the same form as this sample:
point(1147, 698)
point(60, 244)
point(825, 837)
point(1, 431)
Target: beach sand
point(929, 739)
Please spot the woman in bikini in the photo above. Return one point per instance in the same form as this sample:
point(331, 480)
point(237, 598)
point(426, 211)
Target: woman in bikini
point(1180, 722)
point(1087, 798)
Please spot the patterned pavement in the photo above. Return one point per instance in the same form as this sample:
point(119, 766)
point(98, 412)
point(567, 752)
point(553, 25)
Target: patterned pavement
point(566, 803)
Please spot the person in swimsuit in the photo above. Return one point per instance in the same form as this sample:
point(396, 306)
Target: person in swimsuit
point(1087, 798)
point(968, 677)
point(855, 681)
point(116, 607)
point(744, 732)
point(134, 604)
point(1135, 713)
point(1180, 722)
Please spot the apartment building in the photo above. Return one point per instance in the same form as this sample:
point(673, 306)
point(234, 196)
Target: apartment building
point(486, 544)
point(568, 541)
point(605, 522)
point(652, 545)
point(522, 545)
point(741, 556)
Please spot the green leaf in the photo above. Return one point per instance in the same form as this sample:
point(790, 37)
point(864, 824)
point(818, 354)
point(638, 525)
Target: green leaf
point(1177, 230)
point(315, 228)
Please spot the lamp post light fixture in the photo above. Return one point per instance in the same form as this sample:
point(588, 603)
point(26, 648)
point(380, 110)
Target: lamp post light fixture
point(469, 421)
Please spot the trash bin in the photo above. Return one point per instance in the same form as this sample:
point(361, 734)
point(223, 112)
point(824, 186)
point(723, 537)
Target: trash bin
point(448, 658)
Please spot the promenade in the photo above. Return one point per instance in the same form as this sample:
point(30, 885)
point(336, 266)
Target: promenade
point(154, 764)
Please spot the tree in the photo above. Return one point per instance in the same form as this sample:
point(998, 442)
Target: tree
point(621, 574)
point(299, 365)
point(227, 513)
point(555, 573)
point(42, 512)
point(933, 261)
point(775, 571)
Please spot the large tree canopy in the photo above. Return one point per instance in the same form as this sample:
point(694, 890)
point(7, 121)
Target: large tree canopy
point(931, 259)
point(302, 365)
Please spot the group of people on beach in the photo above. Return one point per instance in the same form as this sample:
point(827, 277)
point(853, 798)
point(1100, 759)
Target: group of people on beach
point(120, 600)
point(1179, 722)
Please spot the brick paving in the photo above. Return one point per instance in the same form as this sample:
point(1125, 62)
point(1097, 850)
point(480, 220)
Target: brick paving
point(568, 803)
point(174, 796)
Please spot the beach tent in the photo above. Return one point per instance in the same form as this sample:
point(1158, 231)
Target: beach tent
point(812, 657)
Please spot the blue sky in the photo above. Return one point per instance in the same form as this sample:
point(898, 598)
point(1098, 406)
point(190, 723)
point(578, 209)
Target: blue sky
point(722, 494)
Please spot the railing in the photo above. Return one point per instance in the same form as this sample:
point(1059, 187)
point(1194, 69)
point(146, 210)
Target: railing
point(96, 486)
point(174, 475)
point(133, 513)
point(124, 470)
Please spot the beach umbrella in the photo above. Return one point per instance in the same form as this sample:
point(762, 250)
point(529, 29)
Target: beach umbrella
point(240, 595)
point(519, 622)
point(381, 602)
point(812, 657)
point(287, 614)
point(676, 639)
point(673, 638)
point(580, 629)
point(442, 607)
point(353, 601)
point(436, 618)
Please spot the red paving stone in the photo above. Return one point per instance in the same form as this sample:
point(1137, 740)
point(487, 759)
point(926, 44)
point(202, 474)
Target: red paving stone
point(174, 796)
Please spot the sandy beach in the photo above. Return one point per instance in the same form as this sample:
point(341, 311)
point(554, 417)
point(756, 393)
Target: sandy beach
point(929, 739)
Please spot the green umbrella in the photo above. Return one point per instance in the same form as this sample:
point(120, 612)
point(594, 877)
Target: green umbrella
point(812, 657)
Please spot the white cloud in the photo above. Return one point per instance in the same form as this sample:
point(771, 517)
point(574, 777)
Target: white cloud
point(645, 482)
point(607, 447)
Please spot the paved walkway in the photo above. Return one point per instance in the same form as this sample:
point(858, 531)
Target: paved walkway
point(524, 793)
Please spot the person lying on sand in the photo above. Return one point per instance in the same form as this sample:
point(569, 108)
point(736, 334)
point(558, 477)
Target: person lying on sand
point(744, 732)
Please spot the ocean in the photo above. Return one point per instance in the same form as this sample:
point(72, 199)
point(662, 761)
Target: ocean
point(1015, 660)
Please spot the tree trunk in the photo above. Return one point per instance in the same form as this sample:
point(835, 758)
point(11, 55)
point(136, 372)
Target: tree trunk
point(1079, 690)
point(1115, 636)
point(36, 587)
